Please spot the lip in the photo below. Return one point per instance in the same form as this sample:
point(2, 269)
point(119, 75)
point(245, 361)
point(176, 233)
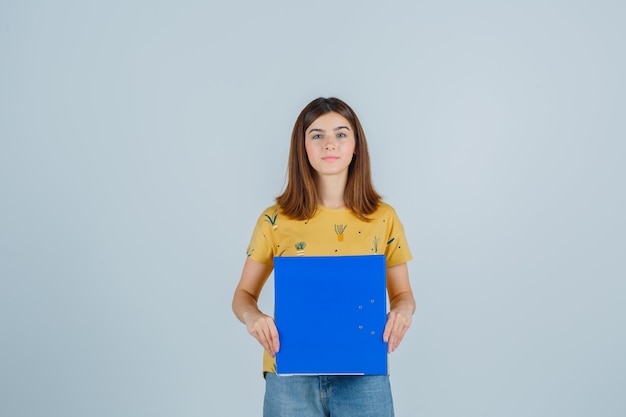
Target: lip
point(330, 158)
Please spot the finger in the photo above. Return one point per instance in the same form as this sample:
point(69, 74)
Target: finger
point(397, 334)
point(274, 337)
point(392, 324)
point(389, 327)
point(259, 330)
point(271, 335)
point(264, 339)
point(395, 341)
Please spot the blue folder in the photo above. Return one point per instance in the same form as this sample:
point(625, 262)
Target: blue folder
point(330, 312)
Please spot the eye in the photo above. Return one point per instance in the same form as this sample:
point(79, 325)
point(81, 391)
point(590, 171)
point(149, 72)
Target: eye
point(341, 135)
point(318, 136)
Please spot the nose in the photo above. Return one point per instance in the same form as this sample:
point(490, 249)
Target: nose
point(330, 143)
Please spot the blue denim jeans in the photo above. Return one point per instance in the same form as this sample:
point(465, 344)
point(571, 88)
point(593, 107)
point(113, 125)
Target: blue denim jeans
point(327, 395)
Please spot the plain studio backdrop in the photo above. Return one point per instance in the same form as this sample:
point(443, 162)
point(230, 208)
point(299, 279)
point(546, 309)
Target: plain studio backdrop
point(140, 140)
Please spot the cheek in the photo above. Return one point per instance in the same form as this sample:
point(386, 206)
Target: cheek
point(308, 148)
point(310, 153)
point(352, 148)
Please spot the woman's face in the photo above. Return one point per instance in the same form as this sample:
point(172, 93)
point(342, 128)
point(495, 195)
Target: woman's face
point(329, 144)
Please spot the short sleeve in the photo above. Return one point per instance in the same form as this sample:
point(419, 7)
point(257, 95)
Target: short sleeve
point(261, 247)
point(397, 250)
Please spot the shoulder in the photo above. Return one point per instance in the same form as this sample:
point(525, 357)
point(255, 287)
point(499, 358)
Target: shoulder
point(269, 214)
point(271, 210)
point(385, 209)
point(387, 213)
point(273, 216)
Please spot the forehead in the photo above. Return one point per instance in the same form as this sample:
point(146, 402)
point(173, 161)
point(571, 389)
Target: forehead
point(330, 121)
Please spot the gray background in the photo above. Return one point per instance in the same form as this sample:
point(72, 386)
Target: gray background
point(141, 140)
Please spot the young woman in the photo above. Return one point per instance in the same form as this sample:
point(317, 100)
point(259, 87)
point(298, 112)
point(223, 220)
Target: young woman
point(329, 185)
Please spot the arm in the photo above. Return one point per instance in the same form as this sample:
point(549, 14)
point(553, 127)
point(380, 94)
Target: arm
point(259, 325)
point(402, 305)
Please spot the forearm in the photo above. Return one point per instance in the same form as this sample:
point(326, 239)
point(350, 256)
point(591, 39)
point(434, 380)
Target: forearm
point(245, 306)
point(403, 302)
point(259, 325)
point(247, 293)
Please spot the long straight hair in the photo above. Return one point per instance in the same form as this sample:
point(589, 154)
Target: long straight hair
point(300, 198)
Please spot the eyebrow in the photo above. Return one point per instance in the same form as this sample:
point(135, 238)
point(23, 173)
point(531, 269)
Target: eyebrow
point(334, 130)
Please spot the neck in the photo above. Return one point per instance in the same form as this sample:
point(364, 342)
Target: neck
point(331, 191)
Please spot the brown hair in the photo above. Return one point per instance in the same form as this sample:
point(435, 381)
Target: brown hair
point(299, 200)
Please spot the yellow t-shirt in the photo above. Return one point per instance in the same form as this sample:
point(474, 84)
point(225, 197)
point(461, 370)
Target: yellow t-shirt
point(329, 232)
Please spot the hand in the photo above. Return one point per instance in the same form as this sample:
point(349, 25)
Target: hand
point(402, 306)
point(398, 322)
point(259, 325)
point(263, 329)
